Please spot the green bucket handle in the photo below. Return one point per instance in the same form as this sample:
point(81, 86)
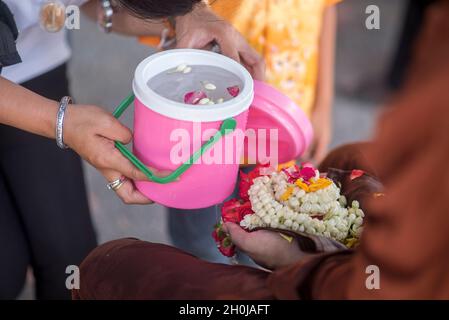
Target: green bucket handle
point(227, 127)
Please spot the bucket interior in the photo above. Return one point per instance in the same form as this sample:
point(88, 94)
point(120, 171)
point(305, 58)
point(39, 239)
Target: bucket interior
point(171, 59)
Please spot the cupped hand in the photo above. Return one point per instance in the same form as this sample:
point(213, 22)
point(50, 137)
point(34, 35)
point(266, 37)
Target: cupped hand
point(267, 248)
point(91, 131)
point(202, 27)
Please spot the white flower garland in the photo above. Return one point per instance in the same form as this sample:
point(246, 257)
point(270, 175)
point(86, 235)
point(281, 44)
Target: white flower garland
point(301, 210)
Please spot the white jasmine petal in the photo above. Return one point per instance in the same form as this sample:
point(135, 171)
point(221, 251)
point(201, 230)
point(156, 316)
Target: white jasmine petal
point(293, 202)
point(204, 101)
point(360, 213)
point(295, 226)
point(210, 86)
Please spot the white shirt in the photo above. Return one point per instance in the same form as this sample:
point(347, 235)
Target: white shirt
point(41, 51)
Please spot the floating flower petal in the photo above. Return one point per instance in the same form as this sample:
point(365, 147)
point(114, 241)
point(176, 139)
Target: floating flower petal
point(194, 97)
point(234, 91)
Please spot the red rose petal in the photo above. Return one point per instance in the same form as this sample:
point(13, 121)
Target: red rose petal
point(292, 176)
point(244, 185)
point(215, 236)
point(194, 97)
point(234, 91)
point(356, 174)
point(247, 180)
point(218, 234)
point(235, 210)
point(227, 251)
point(307, 173)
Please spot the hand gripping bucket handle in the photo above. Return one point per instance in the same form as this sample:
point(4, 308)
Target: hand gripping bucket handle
point(227, 127)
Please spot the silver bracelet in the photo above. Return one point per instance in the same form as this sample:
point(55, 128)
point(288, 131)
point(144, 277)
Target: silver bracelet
point(105, 14)
point(60, 122)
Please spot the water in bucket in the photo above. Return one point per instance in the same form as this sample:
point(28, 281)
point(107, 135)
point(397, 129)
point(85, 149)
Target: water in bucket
point(197, 84)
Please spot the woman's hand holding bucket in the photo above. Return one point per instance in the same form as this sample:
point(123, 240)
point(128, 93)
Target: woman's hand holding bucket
point(91, 132)
point(202, 27)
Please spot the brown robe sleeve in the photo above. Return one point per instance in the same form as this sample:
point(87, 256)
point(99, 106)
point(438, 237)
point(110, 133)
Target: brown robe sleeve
point(132, 269)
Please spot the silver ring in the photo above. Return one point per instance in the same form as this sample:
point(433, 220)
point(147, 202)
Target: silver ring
point(116, 184)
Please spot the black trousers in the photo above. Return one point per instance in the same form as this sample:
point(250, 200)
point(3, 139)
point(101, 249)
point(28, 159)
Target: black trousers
point(44, 215)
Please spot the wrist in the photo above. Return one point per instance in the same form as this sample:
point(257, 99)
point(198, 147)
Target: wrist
point(48, 116)
point(71, 122)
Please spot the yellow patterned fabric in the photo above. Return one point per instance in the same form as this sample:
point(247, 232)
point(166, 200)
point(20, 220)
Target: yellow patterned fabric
point(287, 34)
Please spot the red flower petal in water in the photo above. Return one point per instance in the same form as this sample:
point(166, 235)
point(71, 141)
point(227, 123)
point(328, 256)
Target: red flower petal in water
point(356, 174)
point(234, 91)
point(307, 173)
point(194, 97)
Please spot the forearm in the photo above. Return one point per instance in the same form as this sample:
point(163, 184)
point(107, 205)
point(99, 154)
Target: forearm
point(23, 109)
point(125, 23)
point(325, 86)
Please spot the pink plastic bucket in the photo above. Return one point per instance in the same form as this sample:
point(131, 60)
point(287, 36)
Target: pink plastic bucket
point(163, 128)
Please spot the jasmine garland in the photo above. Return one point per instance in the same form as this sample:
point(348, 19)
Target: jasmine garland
point(296, 199)
point(277, 203)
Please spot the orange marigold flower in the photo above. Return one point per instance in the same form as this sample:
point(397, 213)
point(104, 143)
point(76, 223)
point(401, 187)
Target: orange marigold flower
point(302, 185)
point(287, 194)
point(320, 184)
